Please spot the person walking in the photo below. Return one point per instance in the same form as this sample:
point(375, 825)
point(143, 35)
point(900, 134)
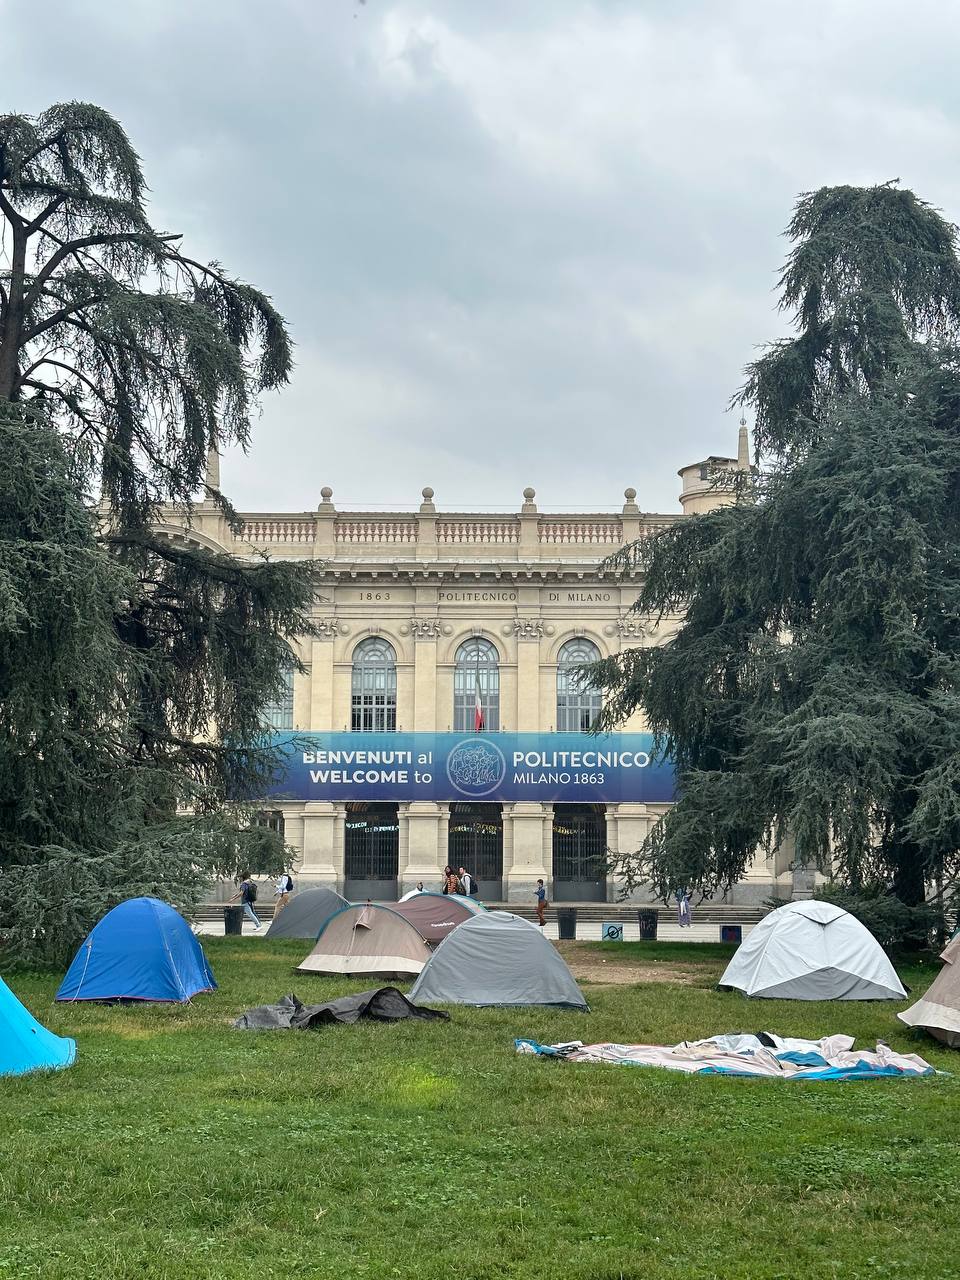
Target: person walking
point(541, 904)
point(468, 885)
point(247, 893)
point(282, 891)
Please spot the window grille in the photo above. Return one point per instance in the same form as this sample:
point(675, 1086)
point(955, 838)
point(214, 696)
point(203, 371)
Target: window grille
point(578, 702)
point(374, 687)
point(477, 662)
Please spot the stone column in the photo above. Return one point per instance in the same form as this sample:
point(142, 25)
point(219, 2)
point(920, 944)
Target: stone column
point(528, 632)
point(322, 843)
point(293, 832)
point(423, 844)
point(426, 632)
point(321, 680)
point(527, 819)
point(627, 827)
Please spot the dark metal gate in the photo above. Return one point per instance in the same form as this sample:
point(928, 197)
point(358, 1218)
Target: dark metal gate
point(579, 853)
point(475, 843)
point(371, 852)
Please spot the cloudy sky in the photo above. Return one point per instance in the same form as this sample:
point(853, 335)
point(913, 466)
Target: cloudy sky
point(518, 241)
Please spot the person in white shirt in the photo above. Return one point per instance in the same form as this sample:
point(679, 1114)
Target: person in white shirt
point(282, 891)
point(467, 880)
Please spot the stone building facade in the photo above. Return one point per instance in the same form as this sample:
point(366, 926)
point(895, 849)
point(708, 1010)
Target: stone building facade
point(419, 614)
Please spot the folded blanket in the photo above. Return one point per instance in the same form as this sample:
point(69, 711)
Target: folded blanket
point(832, 1058)
point(384, 1004)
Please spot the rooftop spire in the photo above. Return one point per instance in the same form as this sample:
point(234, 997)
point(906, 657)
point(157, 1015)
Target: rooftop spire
point(212, 477)
point(743, 447)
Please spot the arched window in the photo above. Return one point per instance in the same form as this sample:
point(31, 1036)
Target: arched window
point(578, 702)
point(374, 687)
point(477, 668)
point(279, 714)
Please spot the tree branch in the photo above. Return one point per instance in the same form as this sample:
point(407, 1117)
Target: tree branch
point(44, 214)
point(67, 247)
point(62, 314)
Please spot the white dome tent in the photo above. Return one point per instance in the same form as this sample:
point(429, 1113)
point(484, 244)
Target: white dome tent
point(812, 950)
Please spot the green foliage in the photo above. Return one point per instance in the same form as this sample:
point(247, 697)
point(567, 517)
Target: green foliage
point(133, 668)
point(810, 685)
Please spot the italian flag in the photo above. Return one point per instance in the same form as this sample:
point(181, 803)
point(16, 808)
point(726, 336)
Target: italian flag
point(478, 706)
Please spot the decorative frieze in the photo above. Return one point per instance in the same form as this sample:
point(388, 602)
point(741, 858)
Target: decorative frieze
point(630, 627)
point(328, 628)
point(528, 628)
point(426, 628)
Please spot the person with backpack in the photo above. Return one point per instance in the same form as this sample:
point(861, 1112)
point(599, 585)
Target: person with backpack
point(282, 891)
point(468, 885)
point(247, 893)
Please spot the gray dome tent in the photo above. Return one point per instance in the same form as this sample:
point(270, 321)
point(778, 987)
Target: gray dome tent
point(306, 913)
point(497, 958)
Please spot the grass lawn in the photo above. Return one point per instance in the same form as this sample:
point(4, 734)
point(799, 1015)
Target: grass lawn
point(177, 1147)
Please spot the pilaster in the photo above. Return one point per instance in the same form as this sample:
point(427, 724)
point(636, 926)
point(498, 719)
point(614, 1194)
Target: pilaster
point(527, 820)
point(423, 823)
point(323, 842)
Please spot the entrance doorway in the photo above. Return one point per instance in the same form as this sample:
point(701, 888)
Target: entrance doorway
point(475, 842)
point(371, 852)
point(579, 853)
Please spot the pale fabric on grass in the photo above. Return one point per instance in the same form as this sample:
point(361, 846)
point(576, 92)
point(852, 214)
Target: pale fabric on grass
point(812, 951)
point(832, 1058)
point(938, 1009)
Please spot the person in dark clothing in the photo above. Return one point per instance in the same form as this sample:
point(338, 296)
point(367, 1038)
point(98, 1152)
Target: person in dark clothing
point(247, 893)
point(541, 904)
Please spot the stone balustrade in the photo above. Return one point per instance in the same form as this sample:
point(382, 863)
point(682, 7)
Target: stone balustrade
point(481, 530)
point(264, 530)
point(365, 529)
point(427, 534)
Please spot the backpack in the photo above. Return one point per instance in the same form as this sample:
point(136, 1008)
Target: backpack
point(251, 892)
point(461, 889)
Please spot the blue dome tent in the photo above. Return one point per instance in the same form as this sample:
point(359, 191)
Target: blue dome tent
point(141, 950)
point(24, 1044)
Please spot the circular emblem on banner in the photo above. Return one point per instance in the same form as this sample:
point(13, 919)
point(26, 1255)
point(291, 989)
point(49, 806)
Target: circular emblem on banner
point(476, 766)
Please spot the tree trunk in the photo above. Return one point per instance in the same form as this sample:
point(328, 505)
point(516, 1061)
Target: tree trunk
point(11, 331)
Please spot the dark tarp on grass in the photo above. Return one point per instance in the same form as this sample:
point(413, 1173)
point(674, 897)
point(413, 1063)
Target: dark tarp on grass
point(384, 1004)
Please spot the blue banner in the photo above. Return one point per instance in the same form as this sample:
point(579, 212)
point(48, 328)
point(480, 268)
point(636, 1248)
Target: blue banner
point(551, 767)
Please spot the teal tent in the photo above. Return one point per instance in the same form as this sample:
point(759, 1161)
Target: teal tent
point(24, 1044)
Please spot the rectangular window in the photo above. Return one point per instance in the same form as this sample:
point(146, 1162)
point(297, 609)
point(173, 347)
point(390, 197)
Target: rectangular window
point(279, 714)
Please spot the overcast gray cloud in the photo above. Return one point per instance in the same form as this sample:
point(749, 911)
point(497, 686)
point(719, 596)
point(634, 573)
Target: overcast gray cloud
point(518, 241)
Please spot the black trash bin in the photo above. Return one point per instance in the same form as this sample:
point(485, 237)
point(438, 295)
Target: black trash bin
point(567, 923)
point(232, 920)
point(647, 921)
